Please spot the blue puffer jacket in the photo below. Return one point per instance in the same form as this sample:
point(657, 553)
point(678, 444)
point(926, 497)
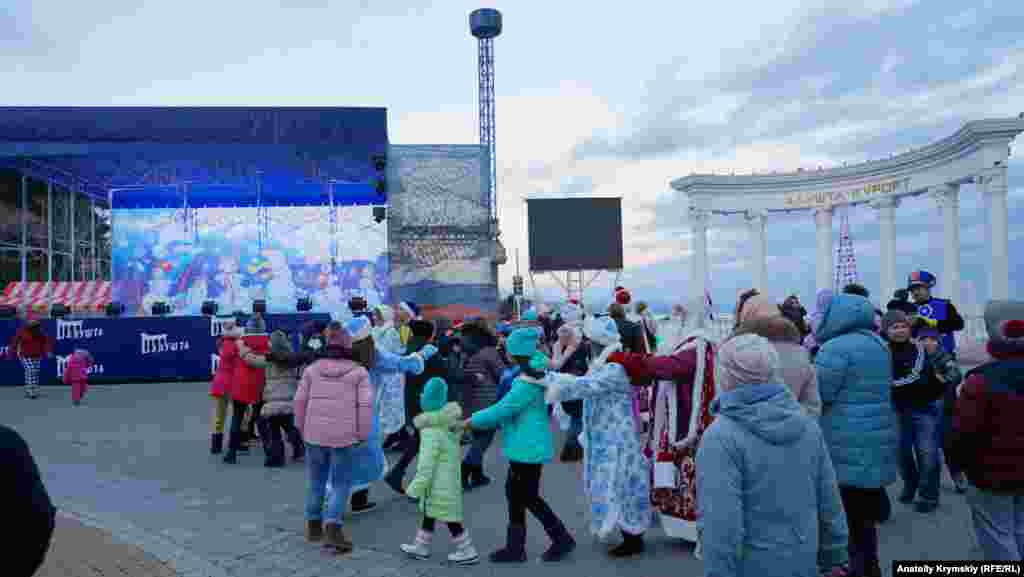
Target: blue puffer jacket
point(854, 377)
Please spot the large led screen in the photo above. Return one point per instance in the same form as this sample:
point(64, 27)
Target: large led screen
point(568, 234)
point(220, 255)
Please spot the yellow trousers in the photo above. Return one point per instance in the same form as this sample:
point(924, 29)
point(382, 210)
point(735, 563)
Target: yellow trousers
point(220, 413)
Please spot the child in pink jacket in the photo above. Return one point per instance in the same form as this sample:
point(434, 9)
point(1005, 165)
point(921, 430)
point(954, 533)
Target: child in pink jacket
point(76, 374)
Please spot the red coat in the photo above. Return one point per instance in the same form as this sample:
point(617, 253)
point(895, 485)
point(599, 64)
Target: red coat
point(225, 375)
point(987, 437)
point(248, 382)
point(29, 345)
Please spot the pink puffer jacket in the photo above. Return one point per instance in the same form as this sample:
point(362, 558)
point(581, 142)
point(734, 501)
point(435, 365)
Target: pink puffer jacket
point(334, 403)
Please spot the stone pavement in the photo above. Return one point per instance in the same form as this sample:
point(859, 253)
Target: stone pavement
point(78, 550)
point(133, 460)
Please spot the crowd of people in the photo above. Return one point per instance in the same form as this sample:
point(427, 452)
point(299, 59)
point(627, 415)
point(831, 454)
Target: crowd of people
point(793, 426)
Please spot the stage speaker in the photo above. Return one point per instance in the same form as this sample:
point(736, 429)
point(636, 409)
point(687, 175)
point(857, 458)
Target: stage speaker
point(379, 214)
point(59, 311)
point(379, 162)
point(304, 305)
point(115, 309)
point(8, 312)
point(161, 309)
point(259, 307)
point(209, 308)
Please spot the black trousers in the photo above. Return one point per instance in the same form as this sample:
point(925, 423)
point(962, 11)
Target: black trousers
point(271, 430)
point(455, 529)
point(237, 415)
point(863, 512)
point(522, 490)
point(410, 449)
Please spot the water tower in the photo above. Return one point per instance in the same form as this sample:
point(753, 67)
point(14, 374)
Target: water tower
point(485, 25)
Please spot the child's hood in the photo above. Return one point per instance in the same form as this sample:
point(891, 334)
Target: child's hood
point(446, 417)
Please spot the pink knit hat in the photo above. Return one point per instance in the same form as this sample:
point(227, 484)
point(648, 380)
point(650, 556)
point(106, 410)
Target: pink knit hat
point(748, 359)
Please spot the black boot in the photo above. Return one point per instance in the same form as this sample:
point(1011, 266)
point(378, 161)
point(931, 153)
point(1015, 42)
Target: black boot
point(216, 443)
point(477, 477)
point(232, 455)
point(562, 543)
point(361, 502)
point(631, 545)
point(515, 546)
point(275, 453)
point(571, 453)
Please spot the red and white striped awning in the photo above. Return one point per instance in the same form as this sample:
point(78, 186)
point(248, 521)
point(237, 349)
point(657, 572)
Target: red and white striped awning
point(91, 295)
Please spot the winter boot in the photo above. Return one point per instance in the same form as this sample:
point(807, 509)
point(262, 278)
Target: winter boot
point(233, 447)
point(515, 547)
point(275, 454)
point(631, 545)
point(216, 443)
point(477, 477)
point(361, 502)
point(420, 547)
point(314, 531)
point(562, 543)
point(336, 539)
point(465, 553)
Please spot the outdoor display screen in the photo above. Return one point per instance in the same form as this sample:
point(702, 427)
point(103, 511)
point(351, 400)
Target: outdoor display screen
point(575, 234)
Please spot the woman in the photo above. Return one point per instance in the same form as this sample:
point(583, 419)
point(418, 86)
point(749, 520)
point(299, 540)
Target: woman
point(764, 466)
point(821, 302)
point(763, 318)
point(857, 418)
point(30, 344)
point(571, 356)
point(483, 370)
point(391, 394)
point(334, 411)
point(615, 474)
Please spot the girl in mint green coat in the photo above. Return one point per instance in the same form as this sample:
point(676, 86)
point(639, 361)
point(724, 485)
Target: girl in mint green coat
point(522, 415)
point(438, 482)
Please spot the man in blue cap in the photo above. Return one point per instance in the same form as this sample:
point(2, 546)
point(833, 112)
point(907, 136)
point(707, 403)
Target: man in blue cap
point(936, 313)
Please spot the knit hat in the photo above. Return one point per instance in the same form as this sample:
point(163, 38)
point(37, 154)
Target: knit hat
point(410, 309)
point(523, 342)
point(531, 314)
point(358, 329)
point(757, 307)
point(280, 343)
point(255, 326)
point(602, 330)
point(892, 317)
point(435, 394)
point(340, 340)
point(1004, 321)
point(572, 312)
point(422, 329)
point(747, 360)
point(357, 303)
point(622, 296)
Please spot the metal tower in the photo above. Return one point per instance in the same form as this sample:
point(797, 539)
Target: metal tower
point(485, 25)
point(846, 260)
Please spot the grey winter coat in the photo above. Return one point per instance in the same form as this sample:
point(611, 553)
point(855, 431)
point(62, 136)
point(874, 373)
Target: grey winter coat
point(483, 371)
point(281, 376)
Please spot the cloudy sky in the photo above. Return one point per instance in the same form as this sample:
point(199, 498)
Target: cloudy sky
point(590, 99)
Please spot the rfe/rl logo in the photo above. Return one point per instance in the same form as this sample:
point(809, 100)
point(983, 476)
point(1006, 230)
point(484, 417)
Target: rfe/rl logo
point(62, 363)
point(76, 330)
point(159, 344)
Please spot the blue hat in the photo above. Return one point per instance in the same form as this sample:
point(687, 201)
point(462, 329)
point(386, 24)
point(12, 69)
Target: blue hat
point(531, 315)
point(921, 277)
point(435, 395)
point(523, 342)
point(358, 328)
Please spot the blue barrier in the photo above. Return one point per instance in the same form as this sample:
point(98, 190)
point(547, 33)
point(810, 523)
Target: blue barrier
point(137, 349)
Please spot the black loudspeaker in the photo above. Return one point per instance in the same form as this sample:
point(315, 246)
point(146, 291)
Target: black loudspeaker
point(379, 214)
point(161, 309)
point(115, 309)
point(59, 311)
point(259, 307)
point(8, 312)
point(209, 308)
point(304, 305)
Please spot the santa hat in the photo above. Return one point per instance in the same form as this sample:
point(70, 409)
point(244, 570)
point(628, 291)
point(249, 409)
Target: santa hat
point(622, 296)
point(1004, 321)
point(358, 328)
point(410, 309)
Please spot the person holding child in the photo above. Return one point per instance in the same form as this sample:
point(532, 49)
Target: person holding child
point(437, 485)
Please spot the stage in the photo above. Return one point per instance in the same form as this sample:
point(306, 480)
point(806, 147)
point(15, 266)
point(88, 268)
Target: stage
point(137, 349)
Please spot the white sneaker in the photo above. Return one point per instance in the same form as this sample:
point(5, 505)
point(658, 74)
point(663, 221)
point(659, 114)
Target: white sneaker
point(465, 553)
point(420, 547)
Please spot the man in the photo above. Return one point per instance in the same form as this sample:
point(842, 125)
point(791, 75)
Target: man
point(936, 313)
point(632, 333)
point(29, 510)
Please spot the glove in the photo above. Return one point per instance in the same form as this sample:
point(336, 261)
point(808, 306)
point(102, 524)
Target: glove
point(428, 351)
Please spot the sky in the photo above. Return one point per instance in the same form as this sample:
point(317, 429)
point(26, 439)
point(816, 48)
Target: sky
point(592, 99)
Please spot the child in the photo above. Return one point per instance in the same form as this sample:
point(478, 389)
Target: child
point(438, 484)
point(76, 374)
point(527, 441)
point(947, 372)
point(220, 387)
point(277, 413)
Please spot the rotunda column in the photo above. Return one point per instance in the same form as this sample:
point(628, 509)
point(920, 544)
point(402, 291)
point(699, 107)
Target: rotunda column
point(824, 269)
point(699, 273)
point(886, 208)
point(756, 221)
point(999, 271)
point(948, 198)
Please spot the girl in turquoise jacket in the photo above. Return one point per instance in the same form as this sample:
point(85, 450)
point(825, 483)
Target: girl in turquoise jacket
point(522, 415)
